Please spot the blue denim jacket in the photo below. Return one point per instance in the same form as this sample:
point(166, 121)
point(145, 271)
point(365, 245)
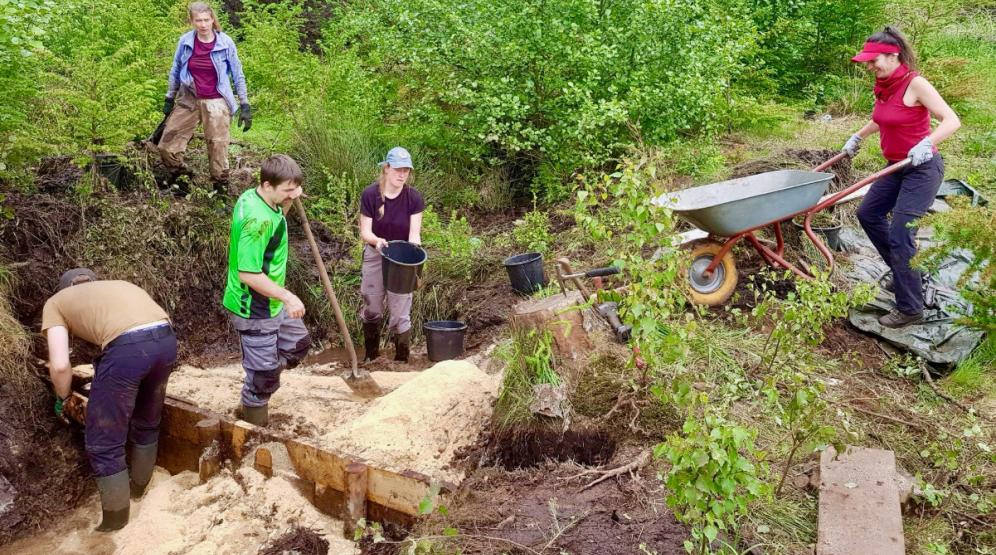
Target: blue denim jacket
point(226, 62)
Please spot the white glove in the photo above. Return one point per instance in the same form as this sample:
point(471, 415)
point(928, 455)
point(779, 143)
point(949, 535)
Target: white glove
point(852, 145)
point(922, 152)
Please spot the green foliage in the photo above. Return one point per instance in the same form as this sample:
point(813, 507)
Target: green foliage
point(616, 213)
point(712, 478)
point(803, 41)
point(969, 228)
point(455, 250)
point(798, 320)
point(103, 81)
point(554, 81)
point(799, 411)
point(532, 232)
point(529, 361)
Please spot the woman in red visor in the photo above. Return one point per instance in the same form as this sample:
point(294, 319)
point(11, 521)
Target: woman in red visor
point(904, 105)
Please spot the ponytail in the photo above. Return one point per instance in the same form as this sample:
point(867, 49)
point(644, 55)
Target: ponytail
point(381, 184)
point(891, 35)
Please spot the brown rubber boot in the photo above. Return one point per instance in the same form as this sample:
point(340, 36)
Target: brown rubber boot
point(401, 343)
point(371, 340)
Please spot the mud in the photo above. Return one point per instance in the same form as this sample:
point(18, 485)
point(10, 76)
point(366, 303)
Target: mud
point(544, 509)
point(527, 448)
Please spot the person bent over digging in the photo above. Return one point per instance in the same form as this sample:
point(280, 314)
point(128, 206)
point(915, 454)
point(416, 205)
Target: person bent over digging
point(390, 210)
point(904, 104)
point(200, 92)
point(129, 381)
point(265, 314)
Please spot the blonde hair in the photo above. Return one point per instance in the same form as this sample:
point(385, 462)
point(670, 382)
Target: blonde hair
point(381, 183)
point(203, 7)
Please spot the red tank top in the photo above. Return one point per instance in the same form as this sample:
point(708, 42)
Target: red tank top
point(900, 127)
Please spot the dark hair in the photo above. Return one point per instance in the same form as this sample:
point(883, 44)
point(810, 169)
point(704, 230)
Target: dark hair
point(280, 168)
point(891, 35)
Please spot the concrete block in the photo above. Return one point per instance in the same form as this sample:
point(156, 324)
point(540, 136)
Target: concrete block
point(859, 510)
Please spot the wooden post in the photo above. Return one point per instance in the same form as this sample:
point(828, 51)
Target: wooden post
point(208, 434)
point(264, 461)
point(357, 479)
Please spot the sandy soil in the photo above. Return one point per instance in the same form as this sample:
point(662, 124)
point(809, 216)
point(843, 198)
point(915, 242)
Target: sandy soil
point(233, 513)
point(422, 421)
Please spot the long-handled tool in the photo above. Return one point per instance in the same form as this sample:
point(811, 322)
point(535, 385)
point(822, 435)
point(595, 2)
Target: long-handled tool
point(358, 380)
point(608, 310)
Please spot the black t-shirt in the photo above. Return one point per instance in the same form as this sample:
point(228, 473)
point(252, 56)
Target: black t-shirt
point(395, 224)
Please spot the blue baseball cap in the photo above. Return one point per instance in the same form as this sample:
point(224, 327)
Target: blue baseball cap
point(398, 157)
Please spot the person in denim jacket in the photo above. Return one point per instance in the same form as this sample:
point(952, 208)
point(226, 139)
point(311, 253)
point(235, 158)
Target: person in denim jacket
point(205, 65)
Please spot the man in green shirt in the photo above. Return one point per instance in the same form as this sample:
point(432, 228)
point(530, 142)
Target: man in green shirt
point(266, 315)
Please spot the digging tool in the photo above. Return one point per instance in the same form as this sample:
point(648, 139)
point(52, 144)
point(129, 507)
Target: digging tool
point(157, 135)
point(608, 310)
point(358, 380)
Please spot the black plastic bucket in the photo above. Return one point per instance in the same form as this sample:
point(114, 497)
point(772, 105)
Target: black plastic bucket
point(401, 266)
point(444, 339)
point(526, 272)
point(831, 234)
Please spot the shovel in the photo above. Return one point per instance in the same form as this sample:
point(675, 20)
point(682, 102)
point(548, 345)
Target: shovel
point(358, 380)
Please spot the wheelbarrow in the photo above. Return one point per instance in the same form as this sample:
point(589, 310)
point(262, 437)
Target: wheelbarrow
point(732, 210)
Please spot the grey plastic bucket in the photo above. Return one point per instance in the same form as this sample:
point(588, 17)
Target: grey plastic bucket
point(401, 266)
point(526, 272)
point(444, 339)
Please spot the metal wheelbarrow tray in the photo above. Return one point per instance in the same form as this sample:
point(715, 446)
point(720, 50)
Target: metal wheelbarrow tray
point(733, 210)
point(729, 207)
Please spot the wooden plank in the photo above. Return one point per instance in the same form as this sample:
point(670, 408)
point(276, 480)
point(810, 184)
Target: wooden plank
point(391, 495)
point(859, 503)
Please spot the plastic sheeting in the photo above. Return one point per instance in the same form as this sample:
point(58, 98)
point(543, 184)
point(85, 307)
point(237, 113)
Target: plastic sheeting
point(938, 339)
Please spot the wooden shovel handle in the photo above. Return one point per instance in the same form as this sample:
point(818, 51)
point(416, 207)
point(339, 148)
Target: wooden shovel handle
point(329, 292)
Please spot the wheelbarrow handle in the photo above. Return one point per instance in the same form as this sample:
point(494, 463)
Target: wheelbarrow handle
point(808, 221)
point(601, 272)
point(838, 157)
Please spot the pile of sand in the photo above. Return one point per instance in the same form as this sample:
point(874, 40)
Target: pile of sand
point(311, 400)
point(422, 424)
point(232, 513)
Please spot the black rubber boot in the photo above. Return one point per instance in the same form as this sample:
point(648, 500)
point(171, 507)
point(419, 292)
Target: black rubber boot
point(114, 501)
point(371, 340)
point(401, 343)
point(143, 461)
point(259, 416)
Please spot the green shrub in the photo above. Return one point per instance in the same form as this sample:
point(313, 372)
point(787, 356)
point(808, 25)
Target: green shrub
point(558, 82)
point(803, 41)
point(532, 232)
point(969, 228)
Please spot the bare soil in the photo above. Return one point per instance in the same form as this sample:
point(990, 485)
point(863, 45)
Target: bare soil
point(543, 509)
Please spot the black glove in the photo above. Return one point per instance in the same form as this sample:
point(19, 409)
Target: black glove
point(245, 116)
point(168, 106)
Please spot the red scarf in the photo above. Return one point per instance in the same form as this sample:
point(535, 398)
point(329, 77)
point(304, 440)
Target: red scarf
point(885, 88)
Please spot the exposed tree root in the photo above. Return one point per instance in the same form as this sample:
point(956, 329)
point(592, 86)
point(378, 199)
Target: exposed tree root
point(634, 466)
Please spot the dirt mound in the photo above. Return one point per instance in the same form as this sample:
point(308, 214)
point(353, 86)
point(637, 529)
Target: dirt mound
point(803, 159)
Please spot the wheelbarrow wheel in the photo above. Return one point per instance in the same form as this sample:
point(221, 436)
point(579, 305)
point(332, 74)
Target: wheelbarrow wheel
point(716, 288)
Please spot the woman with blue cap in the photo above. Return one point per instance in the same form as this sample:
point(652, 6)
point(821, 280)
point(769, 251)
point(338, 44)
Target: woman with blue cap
point(390, 210)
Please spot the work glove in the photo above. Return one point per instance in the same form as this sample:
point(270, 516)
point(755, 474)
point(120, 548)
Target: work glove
point(245, 116)
point(168, 106)
point(922, 152)
point(852, 146)
point(60, 405)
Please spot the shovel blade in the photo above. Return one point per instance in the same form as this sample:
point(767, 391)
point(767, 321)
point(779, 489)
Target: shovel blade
point(362, 384)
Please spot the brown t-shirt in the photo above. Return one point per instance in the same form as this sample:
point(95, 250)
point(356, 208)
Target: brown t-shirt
point(100, 311)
